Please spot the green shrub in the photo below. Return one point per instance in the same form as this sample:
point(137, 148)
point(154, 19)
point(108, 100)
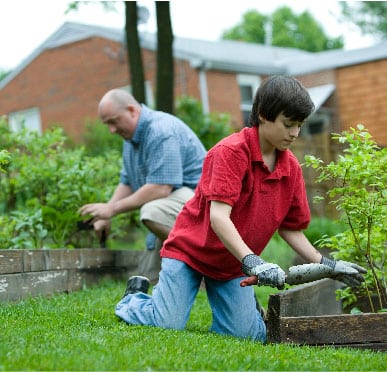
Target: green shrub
point(4, 160)
point(210, 128)
point(44, 187)
point(321, 227)
point(360, 195)
point(98, 140)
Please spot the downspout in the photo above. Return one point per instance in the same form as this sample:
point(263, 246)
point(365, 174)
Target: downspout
point(202, 66)
point(204, 90)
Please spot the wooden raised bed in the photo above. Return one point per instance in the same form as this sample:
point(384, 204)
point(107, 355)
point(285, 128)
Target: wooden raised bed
point(29, 273)
point(309, 314)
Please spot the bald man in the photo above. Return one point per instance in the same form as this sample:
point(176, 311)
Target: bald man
point(162, 163)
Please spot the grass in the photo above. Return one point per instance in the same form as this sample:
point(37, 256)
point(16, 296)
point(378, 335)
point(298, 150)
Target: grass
point(79, 331)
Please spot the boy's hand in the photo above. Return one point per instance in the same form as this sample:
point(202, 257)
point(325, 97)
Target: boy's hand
point(250, 280)
point(267, 273)
point(346, 272)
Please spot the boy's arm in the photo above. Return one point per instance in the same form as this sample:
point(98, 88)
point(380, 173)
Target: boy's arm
point(226, 231)
point(300, 244)
point(346, 272)
point(265, 273)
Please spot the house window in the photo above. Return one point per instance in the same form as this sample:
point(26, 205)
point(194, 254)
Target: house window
point(317, 123)
point(248, 85)
point(29, 119)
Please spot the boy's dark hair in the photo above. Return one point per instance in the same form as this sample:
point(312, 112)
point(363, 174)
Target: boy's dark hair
point(281, 95)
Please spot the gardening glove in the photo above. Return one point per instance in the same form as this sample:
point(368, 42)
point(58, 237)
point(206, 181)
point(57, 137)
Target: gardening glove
point(343, 271)
point(267, 273)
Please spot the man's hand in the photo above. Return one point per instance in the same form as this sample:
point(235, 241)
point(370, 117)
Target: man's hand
point(343, 271)
point(267, 273)
point(99, 211)
point(102, 228)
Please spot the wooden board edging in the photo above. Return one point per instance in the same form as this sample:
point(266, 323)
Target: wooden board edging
point(30, 273)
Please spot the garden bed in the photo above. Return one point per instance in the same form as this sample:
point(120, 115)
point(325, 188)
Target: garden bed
point(309, 314)
point(29, 273)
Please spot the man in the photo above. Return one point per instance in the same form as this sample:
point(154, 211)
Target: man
point(251, 186)
point(162, 164)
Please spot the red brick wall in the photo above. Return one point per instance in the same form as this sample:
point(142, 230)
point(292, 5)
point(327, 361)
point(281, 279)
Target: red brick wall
point(66, 84)
point(362, 94)
point(224, 95)
point(318, 78)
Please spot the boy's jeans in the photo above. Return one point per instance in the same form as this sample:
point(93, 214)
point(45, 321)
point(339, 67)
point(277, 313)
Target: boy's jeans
point(233, 307)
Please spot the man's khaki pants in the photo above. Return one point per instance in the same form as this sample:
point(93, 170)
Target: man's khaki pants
point(163, 211)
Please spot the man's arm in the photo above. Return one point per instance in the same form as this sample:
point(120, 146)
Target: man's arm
point(124, 201)
point(143, 195)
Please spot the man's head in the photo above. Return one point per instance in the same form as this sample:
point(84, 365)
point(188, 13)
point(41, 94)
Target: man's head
point(281, 95)
point(120, 111)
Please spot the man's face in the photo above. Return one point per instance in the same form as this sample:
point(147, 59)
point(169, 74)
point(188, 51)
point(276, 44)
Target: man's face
point(120, 121)
point(279, 134)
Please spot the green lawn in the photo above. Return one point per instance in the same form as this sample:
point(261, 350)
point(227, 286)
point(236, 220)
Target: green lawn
point(79, 331)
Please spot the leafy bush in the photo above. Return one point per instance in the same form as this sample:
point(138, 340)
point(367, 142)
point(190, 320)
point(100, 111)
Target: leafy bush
point(47, 181)
point(360, 176)
point(44, 187)
point(321, 227)
point(210, 128)
point(4, 159)
point(98, 140)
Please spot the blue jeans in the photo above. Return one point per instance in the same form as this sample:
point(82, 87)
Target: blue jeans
point(233, 307)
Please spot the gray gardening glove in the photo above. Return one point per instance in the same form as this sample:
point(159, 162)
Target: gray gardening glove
point(267, 273)
point(343, 271)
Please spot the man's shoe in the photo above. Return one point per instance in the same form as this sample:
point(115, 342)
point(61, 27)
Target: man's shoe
point(137, 284)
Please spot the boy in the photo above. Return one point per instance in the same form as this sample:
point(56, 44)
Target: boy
point(251, 186)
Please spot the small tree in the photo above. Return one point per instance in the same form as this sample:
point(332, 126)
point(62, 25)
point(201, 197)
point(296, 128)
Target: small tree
point(287, 30)
point(360, 194)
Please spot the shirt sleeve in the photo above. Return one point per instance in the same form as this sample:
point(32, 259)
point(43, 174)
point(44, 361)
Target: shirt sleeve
point(298, 216)
point(223, 173)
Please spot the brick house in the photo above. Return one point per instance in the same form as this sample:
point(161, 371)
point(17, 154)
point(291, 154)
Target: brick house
point(62, 81)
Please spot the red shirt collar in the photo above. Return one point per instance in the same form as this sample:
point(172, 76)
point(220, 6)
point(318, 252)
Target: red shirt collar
point(282, 167)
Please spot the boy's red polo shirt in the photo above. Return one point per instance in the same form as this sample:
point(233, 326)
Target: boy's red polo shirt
point(234, 173)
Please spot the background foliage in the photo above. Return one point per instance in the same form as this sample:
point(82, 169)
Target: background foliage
point(359, 175)
point(285, 29)
point(47, 179)
point(369, 16)
point(44, 186)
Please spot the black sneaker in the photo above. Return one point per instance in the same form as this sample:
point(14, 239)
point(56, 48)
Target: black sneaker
point(137, 284)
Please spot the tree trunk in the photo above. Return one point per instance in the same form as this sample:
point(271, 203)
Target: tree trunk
point(165, 75)
point(136, 71)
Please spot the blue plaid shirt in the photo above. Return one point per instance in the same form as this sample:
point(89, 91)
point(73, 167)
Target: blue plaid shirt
point(163, 150)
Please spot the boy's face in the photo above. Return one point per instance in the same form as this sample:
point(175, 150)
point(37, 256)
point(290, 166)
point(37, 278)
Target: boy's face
point(278, 134)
